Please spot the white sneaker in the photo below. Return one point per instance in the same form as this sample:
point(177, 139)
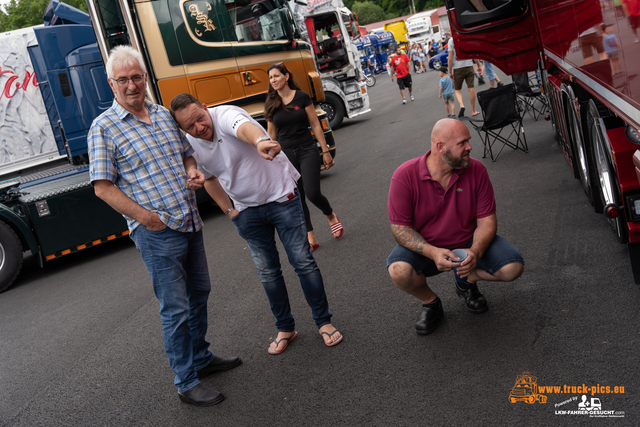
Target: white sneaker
point(411, 97)
point(404, 101)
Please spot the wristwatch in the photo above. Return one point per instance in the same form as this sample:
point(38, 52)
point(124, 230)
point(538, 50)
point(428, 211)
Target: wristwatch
point(261, 138)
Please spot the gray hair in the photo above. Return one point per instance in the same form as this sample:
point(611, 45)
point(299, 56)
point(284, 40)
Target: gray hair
point(124, 56)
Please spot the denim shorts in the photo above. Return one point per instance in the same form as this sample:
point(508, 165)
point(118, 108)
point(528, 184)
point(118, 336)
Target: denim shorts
point(499, 253)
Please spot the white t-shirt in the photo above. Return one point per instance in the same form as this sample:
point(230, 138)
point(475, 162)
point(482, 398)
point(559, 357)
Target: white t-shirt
point(456, 62)
point(248, 179)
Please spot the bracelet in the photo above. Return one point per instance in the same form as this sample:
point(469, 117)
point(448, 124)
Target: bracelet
point(325, 152)
point(261, 138)
point(229, 210)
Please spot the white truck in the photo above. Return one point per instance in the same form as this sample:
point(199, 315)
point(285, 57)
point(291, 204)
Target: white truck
point(419, 28)
point(331, 30)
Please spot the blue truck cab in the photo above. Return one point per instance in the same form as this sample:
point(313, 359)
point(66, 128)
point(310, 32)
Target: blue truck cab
point(383, 42)
point(47, 204)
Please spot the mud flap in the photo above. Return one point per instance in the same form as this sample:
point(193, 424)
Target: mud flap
point(634, 255)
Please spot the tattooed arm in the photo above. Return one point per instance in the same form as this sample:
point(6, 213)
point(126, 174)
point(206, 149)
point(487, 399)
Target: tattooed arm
point(412, 240)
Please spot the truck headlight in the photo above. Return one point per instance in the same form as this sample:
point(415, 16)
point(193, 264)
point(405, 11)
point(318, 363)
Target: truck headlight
point(632, 134)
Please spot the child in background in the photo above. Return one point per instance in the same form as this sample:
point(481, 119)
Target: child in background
point(611, 48)
point(446, 93)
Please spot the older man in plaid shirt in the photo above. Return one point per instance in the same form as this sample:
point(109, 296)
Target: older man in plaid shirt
point(142, 166)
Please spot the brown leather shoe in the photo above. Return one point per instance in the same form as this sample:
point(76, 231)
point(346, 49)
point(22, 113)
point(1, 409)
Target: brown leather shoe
point(201, 396)
point(219, 364)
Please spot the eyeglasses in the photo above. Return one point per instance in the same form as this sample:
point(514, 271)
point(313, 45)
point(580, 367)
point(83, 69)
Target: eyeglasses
point(123, 81)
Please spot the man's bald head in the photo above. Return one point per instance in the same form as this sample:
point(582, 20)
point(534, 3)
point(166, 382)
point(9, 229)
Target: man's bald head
point(444, 130)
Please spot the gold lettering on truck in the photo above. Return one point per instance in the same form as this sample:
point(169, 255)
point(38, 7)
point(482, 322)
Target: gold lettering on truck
point(201, 19)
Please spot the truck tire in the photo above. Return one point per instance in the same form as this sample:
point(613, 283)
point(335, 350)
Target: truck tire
point(333, 106)
point(10, 256)
point(604, 174)
point(582, 157)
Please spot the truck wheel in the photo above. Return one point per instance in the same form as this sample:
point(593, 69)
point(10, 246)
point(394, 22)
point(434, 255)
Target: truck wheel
point(581, 157)
point(437, 64)
point(604, 175)
point(542, 399)
point(332, 105)
point(10, 256)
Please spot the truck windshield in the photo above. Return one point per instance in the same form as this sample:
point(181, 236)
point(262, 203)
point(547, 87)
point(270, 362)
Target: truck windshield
point(256, 21)
point(485, 5)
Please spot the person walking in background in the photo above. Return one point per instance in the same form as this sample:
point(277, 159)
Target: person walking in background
point(491, 75)
point(400, 64)
point(462, 72)
point(432, 52)
point(446, 93)
point(289, 112)
point(612, 49)
point(632, 11)
point(389, 64)
point(143, 167)
point(239, 160)
point(422, 55)
point(413, 54)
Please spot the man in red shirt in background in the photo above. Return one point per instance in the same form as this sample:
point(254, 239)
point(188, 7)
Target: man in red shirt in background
point(632, 10)
point(400, 64)
point(442, 201)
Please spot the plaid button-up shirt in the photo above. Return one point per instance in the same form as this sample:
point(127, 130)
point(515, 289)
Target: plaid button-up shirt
point(145, 161)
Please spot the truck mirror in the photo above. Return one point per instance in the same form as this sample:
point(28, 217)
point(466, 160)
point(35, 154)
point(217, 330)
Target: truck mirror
point(287, 23)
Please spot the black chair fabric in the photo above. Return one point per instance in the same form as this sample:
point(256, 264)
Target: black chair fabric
point(530, 98)
point(499, 112)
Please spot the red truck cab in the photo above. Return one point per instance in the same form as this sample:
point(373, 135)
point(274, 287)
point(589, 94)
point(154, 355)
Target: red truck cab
point(588, 56)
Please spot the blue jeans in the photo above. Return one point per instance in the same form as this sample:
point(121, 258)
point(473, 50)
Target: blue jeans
point(499, 253)
point(178, 268)
point(488, 68)
point(257, 225)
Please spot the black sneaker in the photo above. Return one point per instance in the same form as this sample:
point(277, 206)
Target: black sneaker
point(473, 299)
point(429, 318)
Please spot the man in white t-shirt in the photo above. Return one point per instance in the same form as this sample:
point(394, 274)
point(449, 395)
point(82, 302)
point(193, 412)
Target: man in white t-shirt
point(462, 72)
point(241, 162)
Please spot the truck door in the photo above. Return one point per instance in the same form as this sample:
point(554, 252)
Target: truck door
point(503, 32)
point(201, 43)
point(263, 34)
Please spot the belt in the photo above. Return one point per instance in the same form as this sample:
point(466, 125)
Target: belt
point(288, 196)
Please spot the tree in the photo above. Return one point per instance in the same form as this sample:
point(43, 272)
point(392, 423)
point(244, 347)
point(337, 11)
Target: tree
point(368, 12)
point(27, 13)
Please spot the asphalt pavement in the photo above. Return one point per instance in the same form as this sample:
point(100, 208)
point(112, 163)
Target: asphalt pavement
point(81, 342)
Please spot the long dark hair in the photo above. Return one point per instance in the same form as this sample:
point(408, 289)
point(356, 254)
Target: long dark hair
point(274, 101)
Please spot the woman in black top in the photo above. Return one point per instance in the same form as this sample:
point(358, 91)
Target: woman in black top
point(289, 112)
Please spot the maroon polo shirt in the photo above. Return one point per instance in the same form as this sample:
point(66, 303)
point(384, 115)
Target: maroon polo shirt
point(445, 218)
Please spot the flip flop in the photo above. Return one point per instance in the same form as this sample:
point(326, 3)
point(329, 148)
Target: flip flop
point(288, 341)
point(337, 227)
point(313, 247)
point(476, 113)
point(338, 341)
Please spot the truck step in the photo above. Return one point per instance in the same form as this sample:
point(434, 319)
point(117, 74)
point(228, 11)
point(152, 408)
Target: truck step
point(49, 173)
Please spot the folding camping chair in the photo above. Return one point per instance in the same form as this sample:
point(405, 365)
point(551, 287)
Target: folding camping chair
point(530, 96)
point(499, 112)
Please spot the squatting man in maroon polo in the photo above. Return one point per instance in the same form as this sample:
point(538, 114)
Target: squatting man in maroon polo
point(439, 202)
